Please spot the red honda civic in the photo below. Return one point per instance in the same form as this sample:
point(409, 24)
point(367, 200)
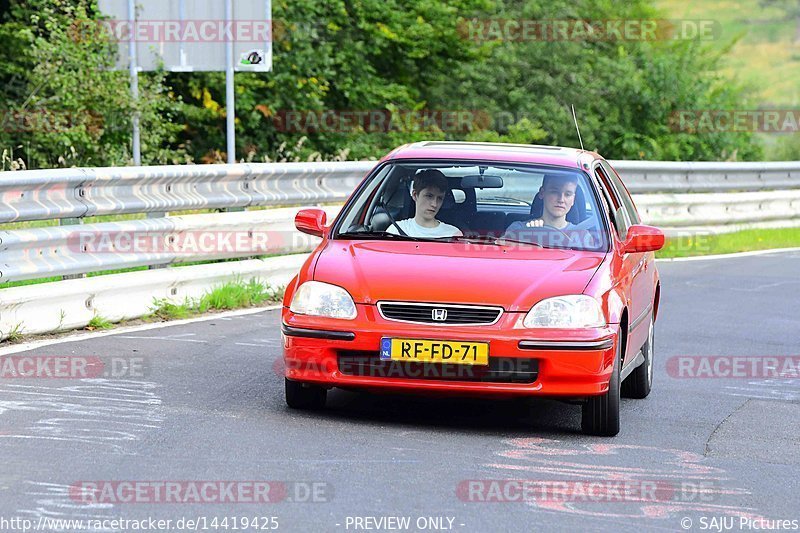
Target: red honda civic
point(481, 269)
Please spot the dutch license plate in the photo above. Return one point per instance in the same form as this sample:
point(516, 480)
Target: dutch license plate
point(435, 351)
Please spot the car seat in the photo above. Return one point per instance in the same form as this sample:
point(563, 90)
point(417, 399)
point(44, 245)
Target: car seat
point(576, 214)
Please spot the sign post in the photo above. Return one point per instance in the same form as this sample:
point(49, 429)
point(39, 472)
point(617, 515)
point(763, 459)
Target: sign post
point(230, 104)
point(134, 73)
point(188, 36)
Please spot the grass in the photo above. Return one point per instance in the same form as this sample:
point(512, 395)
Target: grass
point(764, 56)
point(726, 243)
point(235, 294)
point(164, 309)
point(15, 335)
point(98, 322)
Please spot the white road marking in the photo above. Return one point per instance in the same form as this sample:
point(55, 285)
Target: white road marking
point(161, 338)
point(726, 256)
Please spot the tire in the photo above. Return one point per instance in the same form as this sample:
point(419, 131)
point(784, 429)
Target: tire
point(600, 414)
point(640, 381)
point(304, 396)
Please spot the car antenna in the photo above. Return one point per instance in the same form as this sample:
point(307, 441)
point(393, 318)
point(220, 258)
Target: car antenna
point(575, 118)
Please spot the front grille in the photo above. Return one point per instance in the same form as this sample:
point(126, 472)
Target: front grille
point(500, 370)
point(440, 314)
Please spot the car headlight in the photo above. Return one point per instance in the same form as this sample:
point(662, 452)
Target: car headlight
point(323, 299)
point(571, 311)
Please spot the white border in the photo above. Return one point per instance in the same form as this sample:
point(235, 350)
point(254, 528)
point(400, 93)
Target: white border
point(81, 336)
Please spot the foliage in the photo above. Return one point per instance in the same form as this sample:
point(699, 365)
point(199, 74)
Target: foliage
point(65, 106)
point(98, 322)
point(403, 58)
point(231, 295)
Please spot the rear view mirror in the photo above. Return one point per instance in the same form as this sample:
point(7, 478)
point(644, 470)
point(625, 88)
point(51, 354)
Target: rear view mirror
point(311, 221)
point(642, 238)
point(476, 181)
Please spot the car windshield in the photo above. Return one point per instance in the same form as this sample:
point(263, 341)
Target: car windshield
point(495, 203)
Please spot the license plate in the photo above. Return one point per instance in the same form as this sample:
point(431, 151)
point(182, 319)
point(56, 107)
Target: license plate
point(431, 351)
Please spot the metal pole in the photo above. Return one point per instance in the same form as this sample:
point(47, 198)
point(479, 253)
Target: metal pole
point(181, 17)
point(134, 74)
point(229, 99)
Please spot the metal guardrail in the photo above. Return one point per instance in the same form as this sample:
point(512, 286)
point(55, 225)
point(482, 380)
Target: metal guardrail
point(50, 307)
point(691, 177)
point(79, 249)
point(671, 195)
point(80, 193)
point(85, 192)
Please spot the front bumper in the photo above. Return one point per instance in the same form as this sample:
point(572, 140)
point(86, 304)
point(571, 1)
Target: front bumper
point(567, 363)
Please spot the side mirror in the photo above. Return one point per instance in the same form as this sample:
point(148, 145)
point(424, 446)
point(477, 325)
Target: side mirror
point(643, 238)
point(311, 221)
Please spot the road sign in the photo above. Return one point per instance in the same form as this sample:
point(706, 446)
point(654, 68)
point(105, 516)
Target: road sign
point(191, 35)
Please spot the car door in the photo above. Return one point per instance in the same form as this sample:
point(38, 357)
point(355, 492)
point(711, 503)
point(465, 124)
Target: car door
point(632, 264)
point(643, 273)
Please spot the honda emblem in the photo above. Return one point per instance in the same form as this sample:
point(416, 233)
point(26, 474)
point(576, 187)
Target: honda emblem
point(439, 315)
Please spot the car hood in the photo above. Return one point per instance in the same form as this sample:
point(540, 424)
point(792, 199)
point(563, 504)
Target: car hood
point(513, 277)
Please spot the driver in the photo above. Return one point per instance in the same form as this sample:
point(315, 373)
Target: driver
point(429, 189)
point(558, 196)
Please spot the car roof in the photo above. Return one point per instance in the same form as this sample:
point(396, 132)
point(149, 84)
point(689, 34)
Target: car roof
point(484, 151)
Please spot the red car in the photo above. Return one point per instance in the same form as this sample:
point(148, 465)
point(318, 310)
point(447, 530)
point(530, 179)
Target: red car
point(478, 269)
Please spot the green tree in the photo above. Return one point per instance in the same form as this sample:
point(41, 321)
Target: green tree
point(64, 103)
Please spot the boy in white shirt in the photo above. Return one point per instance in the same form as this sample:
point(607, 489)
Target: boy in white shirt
point(429, 189)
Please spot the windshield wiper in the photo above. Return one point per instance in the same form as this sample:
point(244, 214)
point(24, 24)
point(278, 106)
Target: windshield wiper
point(379, 235)
point(497, 241)
point(474, 239)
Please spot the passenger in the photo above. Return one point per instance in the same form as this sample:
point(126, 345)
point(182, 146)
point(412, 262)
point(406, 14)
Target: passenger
point(558, 196)
point(429, 189)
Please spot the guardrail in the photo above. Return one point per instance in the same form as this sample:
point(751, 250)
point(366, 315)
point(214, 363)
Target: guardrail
point(85, 192)
point(691, 177)
point(79, 249)
point(668, 194)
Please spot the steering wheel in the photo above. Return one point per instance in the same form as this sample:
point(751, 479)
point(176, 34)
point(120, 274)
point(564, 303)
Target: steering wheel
point(547, 227)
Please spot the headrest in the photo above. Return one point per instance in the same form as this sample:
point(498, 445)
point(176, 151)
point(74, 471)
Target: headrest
point(575, 215)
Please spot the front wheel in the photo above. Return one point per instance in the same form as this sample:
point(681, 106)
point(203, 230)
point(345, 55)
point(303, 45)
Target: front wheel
point(305, 396)
point(600, 414)
point(640, 381)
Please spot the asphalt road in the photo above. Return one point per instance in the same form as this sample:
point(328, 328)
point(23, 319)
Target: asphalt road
point(208, 406)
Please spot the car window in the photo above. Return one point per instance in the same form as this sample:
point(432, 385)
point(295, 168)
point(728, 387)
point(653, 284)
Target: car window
point(619, 215)
point(481, 201)
point(630, 209)
point(516, 189)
